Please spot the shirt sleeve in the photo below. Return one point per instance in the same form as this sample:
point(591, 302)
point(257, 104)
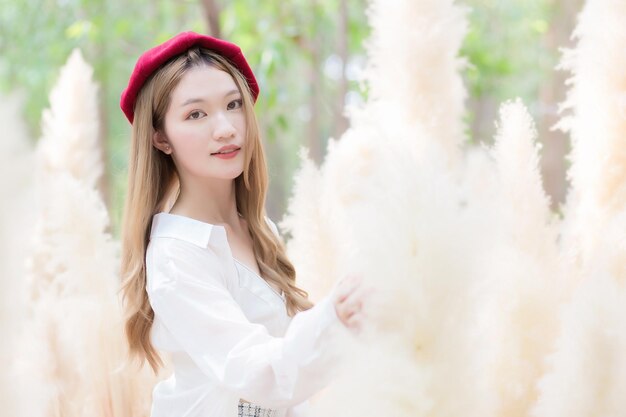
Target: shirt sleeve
point(187, 291)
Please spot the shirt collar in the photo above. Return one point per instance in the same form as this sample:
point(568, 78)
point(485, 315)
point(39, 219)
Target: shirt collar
point(186, 228)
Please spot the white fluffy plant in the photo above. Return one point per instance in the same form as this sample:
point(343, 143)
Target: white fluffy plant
point(389, 205)
point(16, 218)
point(460, 244)
point(532, 276)
point(72, 355)
point(587, 370)
point(414, 66)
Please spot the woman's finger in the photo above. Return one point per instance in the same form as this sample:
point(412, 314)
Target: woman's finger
point(356, 322)
point(358, 296)
point(346, 287)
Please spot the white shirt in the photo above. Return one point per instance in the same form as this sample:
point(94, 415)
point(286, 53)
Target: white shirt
point(227, 330)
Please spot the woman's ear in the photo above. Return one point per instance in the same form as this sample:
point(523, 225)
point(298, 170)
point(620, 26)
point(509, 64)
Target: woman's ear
point(160, 142)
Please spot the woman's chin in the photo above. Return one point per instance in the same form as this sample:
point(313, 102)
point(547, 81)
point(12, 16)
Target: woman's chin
point(229, 175)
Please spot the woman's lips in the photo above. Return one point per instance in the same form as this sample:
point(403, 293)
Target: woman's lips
point(228, 155)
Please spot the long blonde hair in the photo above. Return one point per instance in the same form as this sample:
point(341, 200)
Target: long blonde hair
point(152, 180)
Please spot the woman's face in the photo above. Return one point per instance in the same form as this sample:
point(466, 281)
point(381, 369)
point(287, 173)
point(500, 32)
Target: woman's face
point(205, 114)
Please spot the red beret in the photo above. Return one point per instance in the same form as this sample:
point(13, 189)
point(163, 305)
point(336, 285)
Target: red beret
point(153, 58)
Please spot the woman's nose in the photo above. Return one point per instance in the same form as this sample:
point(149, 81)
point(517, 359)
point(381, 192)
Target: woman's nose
point(223, 128)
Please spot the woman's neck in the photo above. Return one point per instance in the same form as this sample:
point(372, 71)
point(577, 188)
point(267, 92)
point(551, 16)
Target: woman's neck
point(214, 204)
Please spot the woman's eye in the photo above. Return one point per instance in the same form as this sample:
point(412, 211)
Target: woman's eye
point(235, 104)
point(195, 114)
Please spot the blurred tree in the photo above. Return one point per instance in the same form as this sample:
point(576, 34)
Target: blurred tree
point(513, 50)
point(508, 60)
point(307, 56)
point(212, 14)
point(552, 92)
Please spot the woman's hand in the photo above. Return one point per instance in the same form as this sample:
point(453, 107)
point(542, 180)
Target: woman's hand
point(350, 295)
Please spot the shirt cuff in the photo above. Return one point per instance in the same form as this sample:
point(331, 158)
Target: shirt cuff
point(309, 335)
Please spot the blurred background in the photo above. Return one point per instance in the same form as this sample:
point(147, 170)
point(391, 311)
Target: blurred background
point(308, 57)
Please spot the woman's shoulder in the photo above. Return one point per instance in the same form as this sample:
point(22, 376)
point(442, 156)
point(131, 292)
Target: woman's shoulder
point(167, 249)
point(185, 248)
point(170, 260)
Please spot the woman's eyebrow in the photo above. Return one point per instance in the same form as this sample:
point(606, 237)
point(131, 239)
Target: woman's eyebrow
point(200, 100)
point(191, 100)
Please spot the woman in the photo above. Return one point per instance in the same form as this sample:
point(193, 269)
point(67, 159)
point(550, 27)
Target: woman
point(205, 274)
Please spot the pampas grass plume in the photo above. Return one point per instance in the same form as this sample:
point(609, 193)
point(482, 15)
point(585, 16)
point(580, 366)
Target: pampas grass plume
point(72, 355)
point(16, 219)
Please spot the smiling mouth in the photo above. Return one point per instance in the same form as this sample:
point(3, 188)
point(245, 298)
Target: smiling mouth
point(225, 152)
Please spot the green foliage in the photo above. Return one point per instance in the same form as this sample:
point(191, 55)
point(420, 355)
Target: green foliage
point(505, 46)
point(281, 41)
point(36, 37)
